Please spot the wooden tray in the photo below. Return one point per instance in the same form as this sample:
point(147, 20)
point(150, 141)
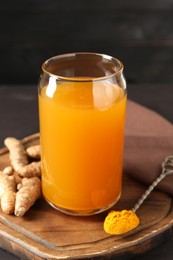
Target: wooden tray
point(44, 233)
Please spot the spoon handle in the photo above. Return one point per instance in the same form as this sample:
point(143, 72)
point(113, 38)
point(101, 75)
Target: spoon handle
point(167, 169)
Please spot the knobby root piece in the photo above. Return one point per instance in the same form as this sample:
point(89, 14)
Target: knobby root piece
point(7, 193)
point(17, 153)
point(29, 192)
point(6, 183)
point(23, 176)
point(120, 222)
point(31, 170)
point(17, 178)
point(8, 170)
point(34, 151)
point(19, 185)
point(8, 202)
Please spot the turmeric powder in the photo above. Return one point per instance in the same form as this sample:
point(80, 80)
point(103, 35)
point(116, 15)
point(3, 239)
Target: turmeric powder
point(17, 153)
point(120, 222)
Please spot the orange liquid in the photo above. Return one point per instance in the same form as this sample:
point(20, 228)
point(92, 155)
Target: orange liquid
point(82, 139)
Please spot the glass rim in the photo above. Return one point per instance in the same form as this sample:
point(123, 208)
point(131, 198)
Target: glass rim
point(73, 54)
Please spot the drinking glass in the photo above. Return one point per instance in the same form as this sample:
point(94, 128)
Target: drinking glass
point(82, 104)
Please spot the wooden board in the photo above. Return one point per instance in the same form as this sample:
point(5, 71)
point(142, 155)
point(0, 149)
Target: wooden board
point(44, 233)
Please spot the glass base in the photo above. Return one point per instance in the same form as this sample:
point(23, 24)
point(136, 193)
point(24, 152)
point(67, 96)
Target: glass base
point(82, 212)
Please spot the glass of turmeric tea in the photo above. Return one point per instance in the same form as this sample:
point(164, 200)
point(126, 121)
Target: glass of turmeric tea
point(82, 104)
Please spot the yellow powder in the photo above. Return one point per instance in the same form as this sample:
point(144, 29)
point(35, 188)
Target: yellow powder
point(119, 222)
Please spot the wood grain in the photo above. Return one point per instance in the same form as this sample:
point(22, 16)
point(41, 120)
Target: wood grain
point(44, 233)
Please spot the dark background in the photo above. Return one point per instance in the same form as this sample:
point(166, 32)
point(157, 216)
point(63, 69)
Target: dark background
point(140, 33)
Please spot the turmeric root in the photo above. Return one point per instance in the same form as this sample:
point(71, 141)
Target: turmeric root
point(6, 183)
point(8, 202)
point(7, 193)
point(17, 153)
point(31, 170)
point(28, 193)
point(8, 170)
point(34, 151)
point(21, 175)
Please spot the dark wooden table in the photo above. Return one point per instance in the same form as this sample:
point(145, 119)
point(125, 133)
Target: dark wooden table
point(19, 118)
